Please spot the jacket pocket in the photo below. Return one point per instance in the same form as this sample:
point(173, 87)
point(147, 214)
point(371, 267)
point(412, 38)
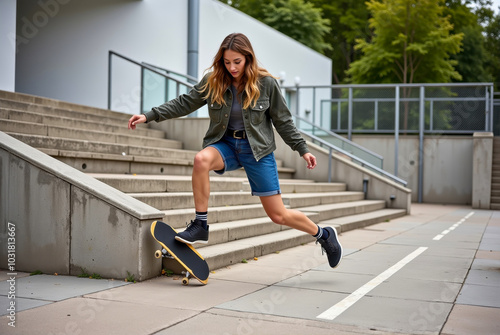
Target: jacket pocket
point(258, 112)
point(215, 112)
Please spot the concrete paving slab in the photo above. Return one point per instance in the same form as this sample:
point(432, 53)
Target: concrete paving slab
point(332, 281)
point(55, 288)
point(488, 254)
point(255, 273)
point(169, 292)
point(417, 289)
point(436, 250)
point(479, 295)
point(490, 243)
point(285, 301)
point(222, 322)
point(466, 320)
point(423, 241)
point(4, 275)
point(95, 316)
point(21, 304)
point(448, 269)
point(396, 315)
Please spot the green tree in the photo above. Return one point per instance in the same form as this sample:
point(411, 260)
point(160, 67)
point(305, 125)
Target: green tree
point(348, 22)
point(468, 17)
point(296, 18)
point(300, 20)
point(411, 43)
point(492, 44)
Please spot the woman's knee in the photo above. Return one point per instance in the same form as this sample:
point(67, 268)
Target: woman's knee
point(278, 218)
point(207, 160)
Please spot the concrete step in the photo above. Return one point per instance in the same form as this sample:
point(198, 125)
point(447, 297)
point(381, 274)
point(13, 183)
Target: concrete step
point(357, 221)
point(168, 183)
point(220, 255)
point(21, 127)
point(71, 122)
point(495, 199)
point(495, 192)
point(227, 244)
point(495, 207)
point(295, 200)
point(331, 211)
point(178, 218)
point(177, 200)
point(33, 103)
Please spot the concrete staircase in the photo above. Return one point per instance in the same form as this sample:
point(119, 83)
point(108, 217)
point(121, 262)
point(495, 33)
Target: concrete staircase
point(155, 170)
point(495, 178)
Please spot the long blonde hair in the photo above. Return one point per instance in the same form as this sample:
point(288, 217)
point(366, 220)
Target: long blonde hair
point(220, 79)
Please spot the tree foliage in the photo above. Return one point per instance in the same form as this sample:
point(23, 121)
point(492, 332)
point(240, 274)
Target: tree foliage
point(296, 18)
point(411, 43)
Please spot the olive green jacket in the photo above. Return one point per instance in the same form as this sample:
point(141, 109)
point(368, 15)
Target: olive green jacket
point(269, 110)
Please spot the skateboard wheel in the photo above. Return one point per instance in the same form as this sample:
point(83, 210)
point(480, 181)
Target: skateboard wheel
point(158, 253)
point(185, 281)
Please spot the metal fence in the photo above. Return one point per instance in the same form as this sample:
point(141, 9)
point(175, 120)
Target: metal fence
point(460, 108)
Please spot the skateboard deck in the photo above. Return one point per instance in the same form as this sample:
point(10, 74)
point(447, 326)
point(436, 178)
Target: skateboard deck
point(185, 254)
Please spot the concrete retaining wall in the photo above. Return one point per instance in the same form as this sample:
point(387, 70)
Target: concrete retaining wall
point(66, 221)
point(482, 170)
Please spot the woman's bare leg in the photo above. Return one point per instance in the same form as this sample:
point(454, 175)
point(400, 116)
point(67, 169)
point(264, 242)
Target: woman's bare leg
point(205, 161)
point(276, 210)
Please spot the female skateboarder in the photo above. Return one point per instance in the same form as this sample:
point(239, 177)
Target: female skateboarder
point(244, 102)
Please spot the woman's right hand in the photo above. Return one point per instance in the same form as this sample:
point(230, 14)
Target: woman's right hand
point(136, 119)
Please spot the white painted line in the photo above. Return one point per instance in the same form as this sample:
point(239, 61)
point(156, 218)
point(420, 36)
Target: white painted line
point(440, 236)
point(343, 305)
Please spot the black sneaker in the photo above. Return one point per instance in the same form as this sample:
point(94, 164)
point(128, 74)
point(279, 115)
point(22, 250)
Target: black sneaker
point(194, 233)
point(332, 247)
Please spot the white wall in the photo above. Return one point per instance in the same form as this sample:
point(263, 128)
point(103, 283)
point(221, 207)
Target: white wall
point(67, 58)
point(7, 44)
point(66, 55)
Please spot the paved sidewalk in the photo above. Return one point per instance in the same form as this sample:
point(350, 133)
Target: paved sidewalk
point(436, 271)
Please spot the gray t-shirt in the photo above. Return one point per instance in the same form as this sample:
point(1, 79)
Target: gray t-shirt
point(236, 116)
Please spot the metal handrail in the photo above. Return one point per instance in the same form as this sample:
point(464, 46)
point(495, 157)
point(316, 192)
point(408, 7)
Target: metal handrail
point(342, 139)
point(142, 66)
point(188, 77)
point(354, 158)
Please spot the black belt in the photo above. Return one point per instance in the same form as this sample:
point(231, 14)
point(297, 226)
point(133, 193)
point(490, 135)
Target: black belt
point(237, 134)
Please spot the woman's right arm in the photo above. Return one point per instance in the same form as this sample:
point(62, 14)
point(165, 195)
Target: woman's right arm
point(183, 105)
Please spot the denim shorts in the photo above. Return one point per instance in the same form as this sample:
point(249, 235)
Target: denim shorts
point(262, 174)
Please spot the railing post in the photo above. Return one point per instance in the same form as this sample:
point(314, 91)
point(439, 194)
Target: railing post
point(314, 108)
point(330, 165)
point(396, 130)
point(109, 80)
point(349, 116)
point(421, 124)
point(487, 110)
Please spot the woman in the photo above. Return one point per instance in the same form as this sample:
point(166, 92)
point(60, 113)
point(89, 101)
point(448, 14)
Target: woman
point(244, 102)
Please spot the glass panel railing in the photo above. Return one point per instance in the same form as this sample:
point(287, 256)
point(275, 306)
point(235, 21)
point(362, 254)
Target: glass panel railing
point(339, 142)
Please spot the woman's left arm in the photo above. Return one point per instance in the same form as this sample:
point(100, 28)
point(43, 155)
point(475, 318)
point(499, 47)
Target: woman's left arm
point(283, 122)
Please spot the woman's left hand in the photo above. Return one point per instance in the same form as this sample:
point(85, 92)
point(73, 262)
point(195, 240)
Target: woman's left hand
point(310, 159)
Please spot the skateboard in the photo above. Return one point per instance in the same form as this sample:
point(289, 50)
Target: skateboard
point(187, 256)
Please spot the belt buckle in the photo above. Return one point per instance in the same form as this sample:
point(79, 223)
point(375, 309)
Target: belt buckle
point(238, 137)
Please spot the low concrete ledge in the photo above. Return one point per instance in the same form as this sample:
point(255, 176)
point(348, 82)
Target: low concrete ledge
point(482, 170)
point(66, 221)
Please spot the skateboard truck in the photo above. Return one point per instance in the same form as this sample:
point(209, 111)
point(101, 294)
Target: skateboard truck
point(163, 253)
